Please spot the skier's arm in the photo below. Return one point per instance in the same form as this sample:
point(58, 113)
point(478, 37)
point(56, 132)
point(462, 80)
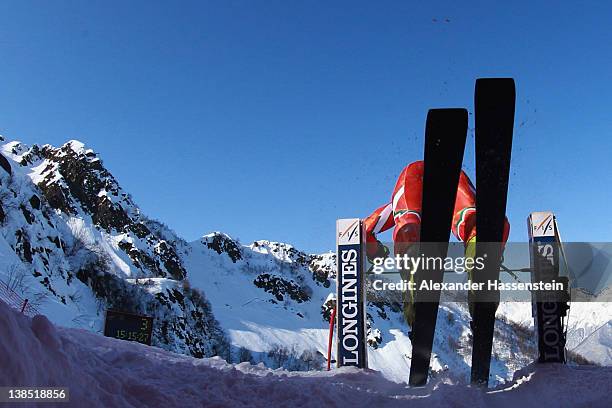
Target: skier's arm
point(379, 221)
point(464, 218)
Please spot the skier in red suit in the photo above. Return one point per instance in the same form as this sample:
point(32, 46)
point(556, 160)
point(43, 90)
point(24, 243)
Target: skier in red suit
point(403, 213)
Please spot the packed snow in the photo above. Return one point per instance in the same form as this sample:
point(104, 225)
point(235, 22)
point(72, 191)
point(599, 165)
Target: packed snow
point(104, 372)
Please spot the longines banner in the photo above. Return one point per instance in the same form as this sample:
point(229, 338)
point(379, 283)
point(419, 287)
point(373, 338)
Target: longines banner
point(351, 326)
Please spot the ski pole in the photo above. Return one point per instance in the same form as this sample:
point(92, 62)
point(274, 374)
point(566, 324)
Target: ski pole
point(511, 271)
point(502, 268)
point(25, 303)
point(331, 337)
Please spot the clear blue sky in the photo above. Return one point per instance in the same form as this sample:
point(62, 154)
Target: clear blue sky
point(269, 120)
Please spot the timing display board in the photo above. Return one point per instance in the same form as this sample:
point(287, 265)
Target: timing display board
point(128, 326)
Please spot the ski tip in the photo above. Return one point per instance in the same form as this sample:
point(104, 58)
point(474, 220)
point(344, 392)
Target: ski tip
point(495, 80)
point(448, 114)
point(452, 123)
point(495, 85)
point(438, 111)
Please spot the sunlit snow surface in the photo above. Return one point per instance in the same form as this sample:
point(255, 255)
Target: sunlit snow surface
point(103, 372)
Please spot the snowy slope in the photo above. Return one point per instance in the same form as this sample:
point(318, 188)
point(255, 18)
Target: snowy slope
point(103, 372)
point(597, 347)
point(288, 312)
point(263, 296)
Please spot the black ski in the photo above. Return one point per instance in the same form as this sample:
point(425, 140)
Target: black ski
point(445, 135)
point(494, 110)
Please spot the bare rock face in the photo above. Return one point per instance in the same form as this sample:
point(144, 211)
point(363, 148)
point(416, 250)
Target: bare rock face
point(223, 244)
point(4, 163)
point(75, 181)
point(281, 288)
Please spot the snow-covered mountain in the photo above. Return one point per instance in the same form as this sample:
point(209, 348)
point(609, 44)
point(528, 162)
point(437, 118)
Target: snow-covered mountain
point(75, 243)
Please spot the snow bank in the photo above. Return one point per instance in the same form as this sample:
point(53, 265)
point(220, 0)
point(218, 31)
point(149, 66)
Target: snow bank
point(103, 372)
point(598, 346)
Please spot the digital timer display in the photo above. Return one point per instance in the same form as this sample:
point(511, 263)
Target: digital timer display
point(128, 326)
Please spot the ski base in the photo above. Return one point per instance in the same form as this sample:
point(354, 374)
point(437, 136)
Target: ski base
point(494, 113)
point(445, 137)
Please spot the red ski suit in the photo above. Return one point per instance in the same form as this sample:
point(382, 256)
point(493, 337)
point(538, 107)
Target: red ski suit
point(404, 210)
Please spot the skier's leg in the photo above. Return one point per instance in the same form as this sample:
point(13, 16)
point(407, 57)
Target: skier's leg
point(406, 240)
point(464, 224)
point(406, 211)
